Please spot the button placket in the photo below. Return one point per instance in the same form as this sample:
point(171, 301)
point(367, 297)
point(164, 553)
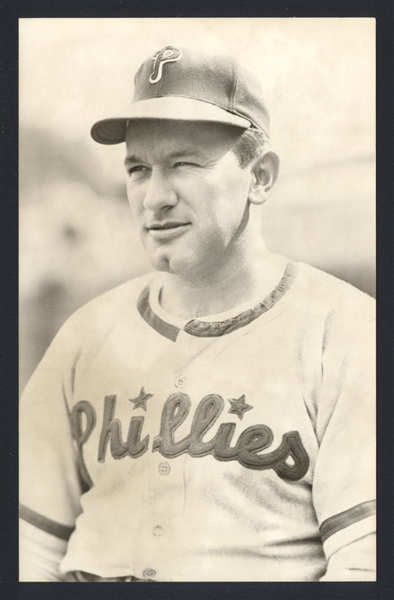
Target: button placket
point(184, 357)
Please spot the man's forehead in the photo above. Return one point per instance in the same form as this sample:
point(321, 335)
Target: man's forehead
point(165, 127)
point(154, 127)
point(179, 136)
point(152, 136)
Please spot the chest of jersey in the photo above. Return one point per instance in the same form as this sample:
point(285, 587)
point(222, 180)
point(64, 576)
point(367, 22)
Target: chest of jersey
point(194, 438)
point(234, 398)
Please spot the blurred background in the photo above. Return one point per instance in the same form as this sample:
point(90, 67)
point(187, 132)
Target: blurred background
point(77, 237)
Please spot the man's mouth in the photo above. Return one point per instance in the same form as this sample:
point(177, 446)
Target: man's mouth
point(164, 226)
point(167, 230)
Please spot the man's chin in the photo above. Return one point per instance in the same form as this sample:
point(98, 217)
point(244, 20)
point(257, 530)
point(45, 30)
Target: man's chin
point(161, 262)
point(169, 264)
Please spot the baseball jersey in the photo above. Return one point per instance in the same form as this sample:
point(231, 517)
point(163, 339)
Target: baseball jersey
point(234, 447)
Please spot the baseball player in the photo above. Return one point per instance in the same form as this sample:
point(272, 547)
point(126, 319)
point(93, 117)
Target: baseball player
point(214, 419)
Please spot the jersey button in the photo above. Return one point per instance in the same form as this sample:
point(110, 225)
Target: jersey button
point(180, 382)
point(149, 573)
point(157, 530)
point(164, 468)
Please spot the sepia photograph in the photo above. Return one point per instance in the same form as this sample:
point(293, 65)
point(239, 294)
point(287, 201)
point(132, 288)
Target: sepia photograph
point(197, 282)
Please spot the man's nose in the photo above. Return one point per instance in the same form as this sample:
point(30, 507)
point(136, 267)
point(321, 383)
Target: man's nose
point(159, 193)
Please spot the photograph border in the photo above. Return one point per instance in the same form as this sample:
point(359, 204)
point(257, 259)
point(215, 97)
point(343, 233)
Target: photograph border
point(11, 11)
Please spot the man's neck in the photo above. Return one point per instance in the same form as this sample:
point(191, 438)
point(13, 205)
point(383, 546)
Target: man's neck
point(226, 290)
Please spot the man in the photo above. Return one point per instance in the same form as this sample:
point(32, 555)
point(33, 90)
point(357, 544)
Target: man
point(214, 420)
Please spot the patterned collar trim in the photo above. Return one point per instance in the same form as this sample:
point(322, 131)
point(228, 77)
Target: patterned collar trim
point(216, 328)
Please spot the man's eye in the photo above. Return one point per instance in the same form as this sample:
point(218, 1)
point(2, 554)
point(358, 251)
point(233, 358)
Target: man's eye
point(137, 169)
point(185, 164)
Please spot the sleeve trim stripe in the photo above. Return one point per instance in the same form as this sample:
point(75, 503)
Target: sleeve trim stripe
point(346, 518)
point(30, 516)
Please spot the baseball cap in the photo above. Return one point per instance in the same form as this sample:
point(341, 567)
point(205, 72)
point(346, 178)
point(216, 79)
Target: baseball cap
point(176, 83)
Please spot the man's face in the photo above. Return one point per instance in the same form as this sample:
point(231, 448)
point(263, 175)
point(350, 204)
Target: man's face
point(187, 193)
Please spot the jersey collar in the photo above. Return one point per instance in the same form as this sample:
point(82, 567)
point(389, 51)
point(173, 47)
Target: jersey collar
point(168, 326)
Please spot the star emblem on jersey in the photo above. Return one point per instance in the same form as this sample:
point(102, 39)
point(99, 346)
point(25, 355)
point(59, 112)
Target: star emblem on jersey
point(239, 406)
point(141, 400)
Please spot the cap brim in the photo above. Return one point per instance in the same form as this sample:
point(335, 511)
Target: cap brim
point(113, 131)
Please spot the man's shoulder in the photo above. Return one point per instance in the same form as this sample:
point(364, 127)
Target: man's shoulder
point(87, 329)
point(100, 314)
point(125, 293)
point(325, 292)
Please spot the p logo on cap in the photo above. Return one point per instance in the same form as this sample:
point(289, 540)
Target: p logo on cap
point(166, 55)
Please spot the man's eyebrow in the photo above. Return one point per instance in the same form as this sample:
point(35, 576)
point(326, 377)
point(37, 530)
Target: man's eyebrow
point(184, 152)
point(132, 158)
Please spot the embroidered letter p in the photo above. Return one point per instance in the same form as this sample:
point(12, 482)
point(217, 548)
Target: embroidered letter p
point(81, 435)
point(166, 55)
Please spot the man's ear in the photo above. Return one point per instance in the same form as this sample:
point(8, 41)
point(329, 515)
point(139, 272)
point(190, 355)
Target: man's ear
point(264, 173)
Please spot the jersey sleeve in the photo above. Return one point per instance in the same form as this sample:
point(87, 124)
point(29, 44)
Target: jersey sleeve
point(344, 485)
point(354, 562)
point(49, 481)
point(40, 554)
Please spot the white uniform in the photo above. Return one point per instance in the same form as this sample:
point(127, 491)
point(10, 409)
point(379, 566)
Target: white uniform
point(237, 447)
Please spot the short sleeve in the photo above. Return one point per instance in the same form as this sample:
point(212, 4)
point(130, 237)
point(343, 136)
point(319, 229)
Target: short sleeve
point(40, 554)
point(49, 482)
point(344, 485)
